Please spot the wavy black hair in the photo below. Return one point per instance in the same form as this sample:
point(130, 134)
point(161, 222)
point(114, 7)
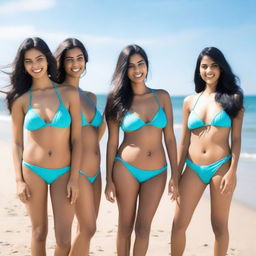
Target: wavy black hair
point(67, 44)
point(20, 80)
point(228, 92)
point(120, 98)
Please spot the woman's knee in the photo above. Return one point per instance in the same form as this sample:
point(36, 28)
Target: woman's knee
point(142, 229)
point(39, 233)
point(87, 231)
point(125, 229)
point(63, 239)
point(219, 227)
point(179, 225)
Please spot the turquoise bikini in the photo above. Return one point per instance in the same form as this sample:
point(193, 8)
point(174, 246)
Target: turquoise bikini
point(47, 174)
point(33, 122)
point(131, 123)
point(221, 119)
point(96, 122)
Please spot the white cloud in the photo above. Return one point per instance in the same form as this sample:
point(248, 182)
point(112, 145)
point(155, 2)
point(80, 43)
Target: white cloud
point(25, 6)
point(16, 32)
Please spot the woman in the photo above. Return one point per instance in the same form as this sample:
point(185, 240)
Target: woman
point(209, 117)
point(52, 152)
point(72, 58)
point(136, 171)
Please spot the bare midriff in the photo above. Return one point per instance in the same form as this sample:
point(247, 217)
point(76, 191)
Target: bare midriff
point(143, 148)
point(48, 147)
point(208, 144)
point(90, 150)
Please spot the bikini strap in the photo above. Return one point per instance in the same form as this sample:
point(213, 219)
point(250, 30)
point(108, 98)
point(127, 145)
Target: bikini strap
point(156, 97)
point(89, 99)
point(30, 97)
point(197, 101)
point(58, 93)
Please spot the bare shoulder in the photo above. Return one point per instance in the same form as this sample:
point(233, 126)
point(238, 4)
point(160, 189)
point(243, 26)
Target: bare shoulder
point(92, 96)
point(68, 90)
point(189, 100)
point(21, 102)
point(162, 94)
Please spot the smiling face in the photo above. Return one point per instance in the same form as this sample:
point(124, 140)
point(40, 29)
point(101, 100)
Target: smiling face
point(74, 63)
point(209, 71)
point(35, 63)
point(137, 69)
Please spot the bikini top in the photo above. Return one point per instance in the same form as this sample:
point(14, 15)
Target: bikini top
point(33, 120)
point(132, 122)
point(221, 119)
point(97, 119)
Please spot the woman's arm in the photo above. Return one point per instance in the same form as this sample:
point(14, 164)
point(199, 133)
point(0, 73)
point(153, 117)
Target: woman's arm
point(229, 179)
point(171, 146)
point(112, 146)
point(17, 116)
point(185, 135)
point(76, 147)
point(102, 128)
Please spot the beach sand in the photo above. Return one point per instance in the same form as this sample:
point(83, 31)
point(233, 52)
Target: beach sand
point(15, 225)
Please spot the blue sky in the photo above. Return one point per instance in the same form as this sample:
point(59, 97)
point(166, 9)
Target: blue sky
point(172, 32)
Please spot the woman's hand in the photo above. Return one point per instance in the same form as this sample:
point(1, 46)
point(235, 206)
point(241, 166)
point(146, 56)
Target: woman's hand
point(173, 188)
point(23, 191)
point(72, 191)
point(228, 182)
point(110, 191)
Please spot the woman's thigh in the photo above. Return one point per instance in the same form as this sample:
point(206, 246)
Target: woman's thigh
point(37, 203)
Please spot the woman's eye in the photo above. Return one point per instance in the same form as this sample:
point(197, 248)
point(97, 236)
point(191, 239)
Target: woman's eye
point(27, 61)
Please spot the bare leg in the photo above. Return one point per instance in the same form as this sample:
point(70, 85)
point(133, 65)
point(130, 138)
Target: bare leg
point(191, 189)
point(127, 189)
point(149, 197)
point(220, 206)
point(37, 210)
point(86, 216)
point(97, 193)
point(63, 213)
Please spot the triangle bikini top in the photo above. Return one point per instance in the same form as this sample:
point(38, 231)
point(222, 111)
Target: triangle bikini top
point(97, 118)
point(221, 119)
point(33, 120)
point(132, 122)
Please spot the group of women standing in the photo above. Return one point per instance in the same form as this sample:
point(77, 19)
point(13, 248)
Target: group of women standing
point(64, 128)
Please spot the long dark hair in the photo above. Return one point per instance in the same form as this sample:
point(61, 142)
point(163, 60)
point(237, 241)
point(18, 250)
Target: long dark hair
point(120, 98)
point(20, 80)
point(228, 92)
point(67, 44)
